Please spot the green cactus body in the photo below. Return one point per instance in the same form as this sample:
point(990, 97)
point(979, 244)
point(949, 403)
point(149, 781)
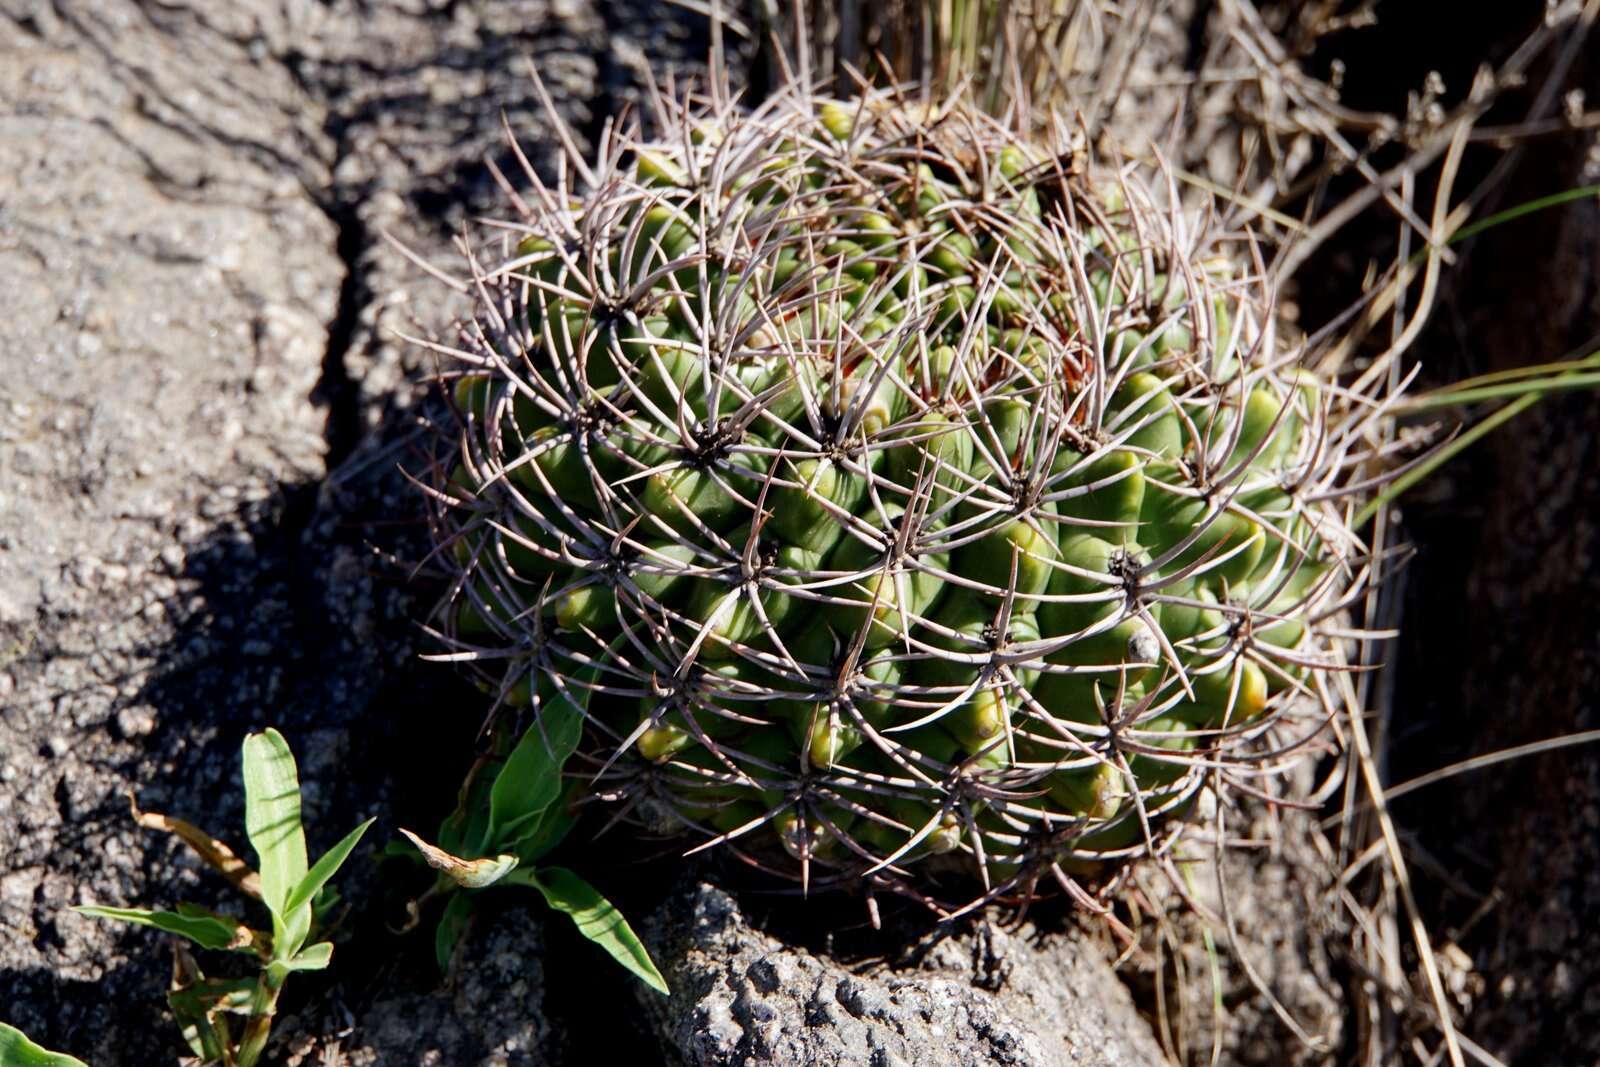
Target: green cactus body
point(900, 519)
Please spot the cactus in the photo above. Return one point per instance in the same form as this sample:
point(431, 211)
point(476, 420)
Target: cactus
point(900, 497)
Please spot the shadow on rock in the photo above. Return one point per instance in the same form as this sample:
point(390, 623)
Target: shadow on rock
point(204, 529)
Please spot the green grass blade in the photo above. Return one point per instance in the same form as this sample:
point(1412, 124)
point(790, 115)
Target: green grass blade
point(207, 931)
point(192, 1014)
point(1506, 390)
point(325, 868)
point(1522, 386)
point(1516, 211)
point(17, 1051)
point(1443, 455)
point(1566, 196)
point(530, 781)
point(1533, 370)
point(272, 817)
point(1506, 384)
point(1522, 396)
point(597, 919)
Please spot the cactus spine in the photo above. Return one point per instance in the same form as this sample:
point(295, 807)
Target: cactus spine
point(897, 497)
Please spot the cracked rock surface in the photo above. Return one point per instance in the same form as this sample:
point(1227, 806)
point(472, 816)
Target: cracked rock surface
point(202, 525)
point(989, 996)
point(162, 331)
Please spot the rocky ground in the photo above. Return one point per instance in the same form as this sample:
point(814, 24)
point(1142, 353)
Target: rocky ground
point(204, 530)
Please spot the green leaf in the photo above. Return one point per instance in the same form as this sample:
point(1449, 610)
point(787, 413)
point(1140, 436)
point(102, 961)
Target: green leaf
point(465, 829)
point(324, 904)
point(530, 780)
point(469, 874)
point(199, 1007)
point(272, 817)
point(552, 829)
point(205, 1038)
point(325, 868)
point(452, 926)
point(1521, 395)
point(1566, 196)
point(216, 994)
point(311, 958)
point(596, 918)
point(17, 1051)
point(207, 931)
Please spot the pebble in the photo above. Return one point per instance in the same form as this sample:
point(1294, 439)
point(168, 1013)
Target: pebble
point(135, 722)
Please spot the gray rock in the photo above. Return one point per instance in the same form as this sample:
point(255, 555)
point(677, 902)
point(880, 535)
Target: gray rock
point(202, 524)
point(162, 329)
point(989, 996)
point(492, 1013)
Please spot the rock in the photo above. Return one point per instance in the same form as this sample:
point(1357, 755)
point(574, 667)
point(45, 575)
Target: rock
point(986, 996)
point(203, 526)
point(163, 324)
point(492, 1013)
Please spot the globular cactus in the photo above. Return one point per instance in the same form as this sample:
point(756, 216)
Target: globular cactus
point(896, 495)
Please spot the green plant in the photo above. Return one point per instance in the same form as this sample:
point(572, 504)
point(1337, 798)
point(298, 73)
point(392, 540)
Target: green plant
point(891, 495)
point(514, 809)
point(17, 1051)
point(296, 894)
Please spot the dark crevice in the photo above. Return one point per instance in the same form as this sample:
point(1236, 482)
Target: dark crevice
point(336, 389)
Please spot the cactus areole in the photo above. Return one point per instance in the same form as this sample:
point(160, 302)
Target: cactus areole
point(901, 503)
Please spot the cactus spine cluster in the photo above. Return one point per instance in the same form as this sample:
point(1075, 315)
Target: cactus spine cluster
point(896, 498)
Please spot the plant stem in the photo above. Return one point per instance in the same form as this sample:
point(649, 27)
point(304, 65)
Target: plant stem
point(263, 1004)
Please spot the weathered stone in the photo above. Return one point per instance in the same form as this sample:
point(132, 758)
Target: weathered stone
point(492, 1013)
point(987, 996)
point(184, 337)
point(169, 283)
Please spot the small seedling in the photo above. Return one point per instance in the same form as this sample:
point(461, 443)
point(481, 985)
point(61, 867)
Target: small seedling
point(509, 819)
point(296, 895)
point(17, 1051)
